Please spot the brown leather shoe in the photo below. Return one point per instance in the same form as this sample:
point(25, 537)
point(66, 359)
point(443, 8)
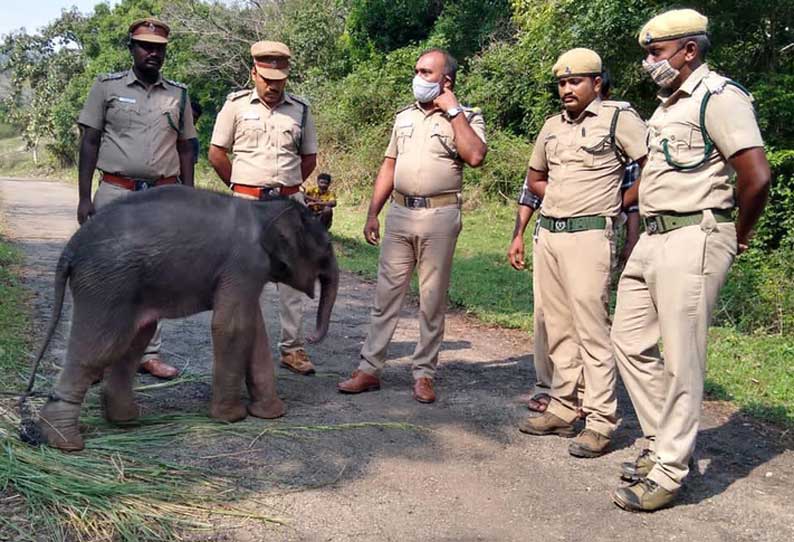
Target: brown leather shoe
point(297, 362)
point(423, 390)
point(158, 368)
point(359, 382)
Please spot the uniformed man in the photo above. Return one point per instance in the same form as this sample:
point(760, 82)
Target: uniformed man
point(577, 166)
point(422, 171)
point(528, 203)
point(136, 129)
point(702, 133)
point(272, 136)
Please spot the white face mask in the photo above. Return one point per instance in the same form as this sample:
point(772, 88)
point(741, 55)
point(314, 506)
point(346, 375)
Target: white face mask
point(425, 91)
point(662, 72)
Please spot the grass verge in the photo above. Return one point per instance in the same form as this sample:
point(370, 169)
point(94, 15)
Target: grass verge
point(754, 372)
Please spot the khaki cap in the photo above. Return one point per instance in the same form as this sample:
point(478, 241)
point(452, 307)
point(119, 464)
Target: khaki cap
point(673, 24)
point(271, 59)
point(579, 61)
point(149, 29)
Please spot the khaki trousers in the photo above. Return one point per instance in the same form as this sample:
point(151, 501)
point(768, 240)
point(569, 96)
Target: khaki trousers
point(540, 357)
point(575, 270)
point(422, 238)
point(667, 291)
point(290, 303)
point(106, 193)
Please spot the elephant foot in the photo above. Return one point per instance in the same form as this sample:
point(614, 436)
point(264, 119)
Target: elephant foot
point(118, 410)
point(59, 427)
point(228, 412)
point(267, 409)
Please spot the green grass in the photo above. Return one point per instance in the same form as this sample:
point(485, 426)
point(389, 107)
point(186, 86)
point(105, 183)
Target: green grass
point(754, 372)
point(17, 161)
point(13, 320)
point(483, 283)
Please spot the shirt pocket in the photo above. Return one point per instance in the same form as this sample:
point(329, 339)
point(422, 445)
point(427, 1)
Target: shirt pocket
point(551, 145)
point(404, 135)
point(289, 136)
point(597, 149)
point(443, 145)
point(121, 113)
point(170, 117)
point(250, 134)
point(681, 142)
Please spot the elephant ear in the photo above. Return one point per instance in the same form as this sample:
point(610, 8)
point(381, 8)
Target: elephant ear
point(284, 241)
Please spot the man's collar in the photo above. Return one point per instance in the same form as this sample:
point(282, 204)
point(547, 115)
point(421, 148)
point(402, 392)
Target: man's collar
point(427, 112)
point(133, 78)
point(688, 86)
point(285, 98)
point(592, 108)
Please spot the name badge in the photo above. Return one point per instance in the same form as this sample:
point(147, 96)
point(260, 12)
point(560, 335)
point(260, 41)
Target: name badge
point(251, 115)
point(125, 100)
point(406, 124)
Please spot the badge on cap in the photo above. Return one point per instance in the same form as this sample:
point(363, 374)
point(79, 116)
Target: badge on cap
point(568, 70)
point(648, 37)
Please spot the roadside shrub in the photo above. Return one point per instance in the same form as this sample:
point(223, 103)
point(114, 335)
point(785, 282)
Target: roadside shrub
point(758, 296)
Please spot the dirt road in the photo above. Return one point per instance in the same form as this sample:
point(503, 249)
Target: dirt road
point(470, 475)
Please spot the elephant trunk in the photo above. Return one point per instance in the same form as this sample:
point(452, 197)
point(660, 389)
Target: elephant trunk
point(329, 285)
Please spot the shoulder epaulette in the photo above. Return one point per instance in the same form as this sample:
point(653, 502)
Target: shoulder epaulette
point(406, 108)
point(175, 83)
point(112, 76)
point(238, 94)
point(300, 99)
point(616, 103)
point(715, 83)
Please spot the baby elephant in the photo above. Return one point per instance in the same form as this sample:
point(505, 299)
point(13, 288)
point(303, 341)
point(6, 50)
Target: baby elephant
point(169, 253)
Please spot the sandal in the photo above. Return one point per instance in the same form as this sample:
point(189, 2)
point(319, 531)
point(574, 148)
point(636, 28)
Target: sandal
point(539, 402)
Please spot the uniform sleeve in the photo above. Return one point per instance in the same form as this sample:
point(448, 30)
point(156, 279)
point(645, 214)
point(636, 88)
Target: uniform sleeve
point(391, 150)
point(188, 128)
point(731, 122)
point(223, 132)
point(537, 160)
point(309, 137)
point(93, 113)
point(477, 123)
point(630, 134)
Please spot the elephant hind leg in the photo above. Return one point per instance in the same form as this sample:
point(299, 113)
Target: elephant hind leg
point(118, 400)
point(90, 350)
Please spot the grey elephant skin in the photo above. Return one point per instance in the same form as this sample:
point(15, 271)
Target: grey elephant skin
point(171, 252)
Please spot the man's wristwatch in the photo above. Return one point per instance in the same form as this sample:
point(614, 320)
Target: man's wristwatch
point(454, 112)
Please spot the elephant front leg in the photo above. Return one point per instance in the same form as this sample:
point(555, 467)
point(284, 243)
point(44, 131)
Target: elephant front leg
point(261, 377)
point(118, 400)
point(233, 331)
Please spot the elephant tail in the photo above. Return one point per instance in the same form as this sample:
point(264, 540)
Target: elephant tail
point(62, 272)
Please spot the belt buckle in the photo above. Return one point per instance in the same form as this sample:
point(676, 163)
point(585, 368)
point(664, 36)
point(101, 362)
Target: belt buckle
point(415, 202)
point(560, 225)
point(266, 193)
point(652, 226)
point(141, 185)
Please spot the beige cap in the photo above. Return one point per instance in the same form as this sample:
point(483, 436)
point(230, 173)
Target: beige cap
point(579, 61)
point(673, 24)
point(149, 29)
point(271, 59)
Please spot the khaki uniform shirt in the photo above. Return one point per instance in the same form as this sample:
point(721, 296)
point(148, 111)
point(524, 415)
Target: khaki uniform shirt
point(584, 175)
point(267, 143)
point(424, 146)
point(732, 126)
point(139, 125)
